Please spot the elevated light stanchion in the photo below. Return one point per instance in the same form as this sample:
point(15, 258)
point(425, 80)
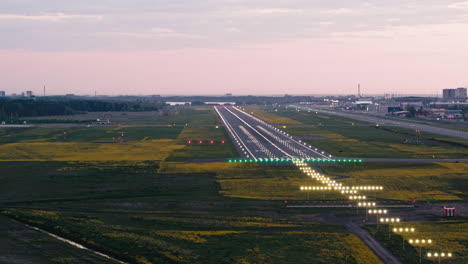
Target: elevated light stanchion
point(377, 212)
point(439, 255)
point(389, 221)
point(403, 230)
point(420, 243)
point(366, 205)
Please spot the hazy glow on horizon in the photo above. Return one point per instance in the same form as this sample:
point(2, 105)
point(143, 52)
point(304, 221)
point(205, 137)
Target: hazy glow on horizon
point(241, 47)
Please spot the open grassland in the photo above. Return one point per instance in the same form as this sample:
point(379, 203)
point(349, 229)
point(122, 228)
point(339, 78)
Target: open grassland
point(254, 181)
point(158, 237)
point(21, 244)
point(270, 116)
point(198, 115)
point(176, 116)
point(100, 143)
point(372, 142)
point(205, 150)
point(148, 150)
point(280, 115)
point(142, 118)
point(408, 181)
point(168, 213)
point(447, 236)
point(88, 134)
point(348, 138)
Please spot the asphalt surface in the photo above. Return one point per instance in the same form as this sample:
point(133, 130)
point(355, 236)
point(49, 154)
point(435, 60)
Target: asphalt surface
point(396, 123)
point(256, 139)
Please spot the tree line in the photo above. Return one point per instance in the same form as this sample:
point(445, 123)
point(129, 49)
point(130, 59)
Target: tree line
point(13, 109)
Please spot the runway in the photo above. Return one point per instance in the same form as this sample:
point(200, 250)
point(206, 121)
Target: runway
point(258, 140)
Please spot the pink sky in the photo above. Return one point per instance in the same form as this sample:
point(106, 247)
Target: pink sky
point(301, 67)
point(300, 50)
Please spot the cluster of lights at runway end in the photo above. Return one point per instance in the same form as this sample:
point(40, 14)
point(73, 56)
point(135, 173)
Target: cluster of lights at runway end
point(403, 230)
point(389, 220)
point(377, 211)
point(293, 160)
point(439, 255)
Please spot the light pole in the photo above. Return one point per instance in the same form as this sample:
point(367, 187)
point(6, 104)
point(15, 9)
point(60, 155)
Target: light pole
point(389, 221)
point(439, 255)
point(377, 212)
point(366, 205)
point(403, 230)
point(420, 243)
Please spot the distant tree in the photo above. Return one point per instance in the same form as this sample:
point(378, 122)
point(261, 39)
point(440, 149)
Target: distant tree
point(198, 103)
point(412, 110)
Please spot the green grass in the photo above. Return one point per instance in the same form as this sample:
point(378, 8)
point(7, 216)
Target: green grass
point(283, 116)
point(446, 235)
point(203, 115)
point(200, 115)
point(21, 244)
point(408, 181)
point(206, 150)
point(384, 142)
point(169, 214)
point(348, 138)
point(159, 237)
point(89, 134)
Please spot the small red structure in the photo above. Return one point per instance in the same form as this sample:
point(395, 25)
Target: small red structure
point(449, 211)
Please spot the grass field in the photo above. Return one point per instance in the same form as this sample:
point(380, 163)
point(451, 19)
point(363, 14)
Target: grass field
point(143, 201)
point(178, 116)
point(408, 181)
point(275, 115)
point(99, 143)
point(349, 138)
point(205, 150)
point(21, 244)
point(447, 236)
point(169, 213)
point(371, 142)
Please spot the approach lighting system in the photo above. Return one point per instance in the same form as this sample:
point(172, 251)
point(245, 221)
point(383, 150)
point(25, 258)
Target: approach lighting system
point(377, 211)
point(389, 220)
point(405, 230)
point(420, 241)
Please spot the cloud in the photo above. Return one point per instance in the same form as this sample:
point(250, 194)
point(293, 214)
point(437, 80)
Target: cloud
point(459, 5)
point(262, 11)
point(338, 11)
point(326, 23)
point(153, 33)
point(49, 17)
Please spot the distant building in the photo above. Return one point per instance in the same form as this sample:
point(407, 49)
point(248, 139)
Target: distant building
point(2, 93)
point(458, 93)
point(102, 121)
point(228, 94)
point(179, 103)
point(29, 94)
point(363, 104)
point(220, 103)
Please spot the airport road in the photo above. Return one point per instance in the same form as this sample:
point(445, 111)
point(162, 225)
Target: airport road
point(256, 139)
point(396, 123)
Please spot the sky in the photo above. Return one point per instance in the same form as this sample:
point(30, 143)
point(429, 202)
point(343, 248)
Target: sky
point(274, 47)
